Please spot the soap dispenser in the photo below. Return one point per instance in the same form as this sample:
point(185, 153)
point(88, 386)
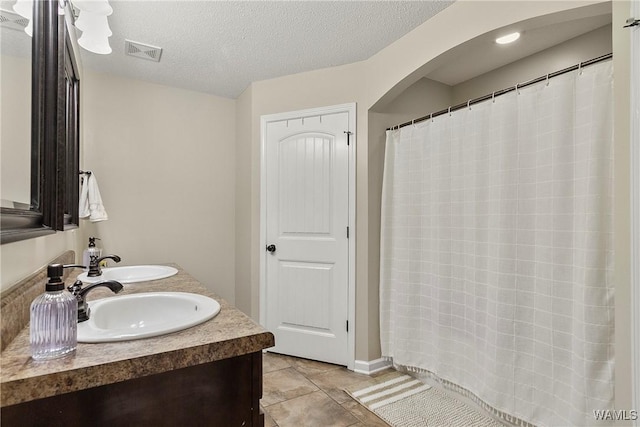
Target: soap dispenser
point(54, 319)
point(92, 251)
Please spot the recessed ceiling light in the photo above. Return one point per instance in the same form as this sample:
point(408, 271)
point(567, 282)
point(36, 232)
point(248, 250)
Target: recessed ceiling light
point(509, 38)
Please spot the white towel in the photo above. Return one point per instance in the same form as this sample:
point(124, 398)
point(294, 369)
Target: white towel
point(90, 201)
point(83, 209)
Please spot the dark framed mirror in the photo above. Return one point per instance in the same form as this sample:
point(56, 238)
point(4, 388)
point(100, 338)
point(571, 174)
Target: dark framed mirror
point(55, 103)
point(69, 96)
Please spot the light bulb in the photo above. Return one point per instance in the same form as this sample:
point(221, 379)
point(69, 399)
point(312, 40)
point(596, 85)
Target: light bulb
point(24, 8)
point(100, 7)
point(95, 25)
point(509, 38)
point(29, 28)
point(95, 44)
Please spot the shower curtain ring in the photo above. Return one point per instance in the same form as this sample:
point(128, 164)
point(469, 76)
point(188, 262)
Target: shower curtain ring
point(547, 79)
point(580, 68)
point(449, 111)
point(469, 104)
point(518, 92)
point(493, 97)
point(431, 117)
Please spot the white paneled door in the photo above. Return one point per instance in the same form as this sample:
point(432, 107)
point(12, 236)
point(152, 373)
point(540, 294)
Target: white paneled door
point(306, 196)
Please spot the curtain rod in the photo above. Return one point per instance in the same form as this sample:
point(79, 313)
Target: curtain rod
point(506, 90)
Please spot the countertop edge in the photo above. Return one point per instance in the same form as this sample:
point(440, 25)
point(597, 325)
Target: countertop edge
point(25, 390)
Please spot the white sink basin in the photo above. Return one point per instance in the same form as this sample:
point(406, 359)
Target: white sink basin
point(144, 315)
point(131, 274)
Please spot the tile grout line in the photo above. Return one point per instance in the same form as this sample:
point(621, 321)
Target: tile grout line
point(293, 398)
point(309, 376)
point(341, 404)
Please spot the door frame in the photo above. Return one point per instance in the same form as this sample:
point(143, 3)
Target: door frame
point(349, 108)
point(635, 206)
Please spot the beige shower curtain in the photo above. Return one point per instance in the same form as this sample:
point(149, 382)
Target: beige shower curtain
point(496, 251)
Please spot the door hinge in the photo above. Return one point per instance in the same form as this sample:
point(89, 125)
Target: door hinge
point(347, 326)
point(347, 232)
point(349, 133)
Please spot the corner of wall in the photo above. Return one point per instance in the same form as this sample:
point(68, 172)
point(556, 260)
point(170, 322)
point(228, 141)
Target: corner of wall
point(243, 288)
point(622, 207)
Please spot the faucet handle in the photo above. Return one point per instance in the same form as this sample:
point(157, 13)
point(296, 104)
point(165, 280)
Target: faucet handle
point(76, 287)
point(94, 266)
point(114, 257)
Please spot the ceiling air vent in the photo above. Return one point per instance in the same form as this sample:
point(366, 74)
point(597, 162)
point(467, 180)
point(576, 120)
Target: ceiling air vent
point(12, 20)
point(144, 51)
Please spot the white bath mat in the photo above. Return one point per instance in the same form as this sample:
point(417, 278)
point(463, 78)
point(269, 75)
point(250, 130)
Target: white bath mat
point(407, 402)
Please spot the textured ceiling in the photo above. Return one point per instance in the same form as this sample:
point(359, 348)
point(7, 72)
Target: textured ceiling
point(220, 47)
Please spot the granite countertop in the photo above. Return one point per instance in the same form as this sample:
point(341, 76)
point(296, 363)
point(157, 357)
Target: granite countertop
point(231, 333)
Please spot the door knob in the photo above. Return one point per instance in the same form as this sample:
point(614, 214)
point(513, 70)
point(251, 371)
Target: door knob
point(271, 248)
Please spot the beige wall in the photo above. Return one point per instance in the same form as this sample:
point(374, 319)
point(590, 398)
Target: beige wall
point(243, 201)
point(421, 98)
point(407, 60)
point(21, 259)
point(582, 48)
point(164, 159)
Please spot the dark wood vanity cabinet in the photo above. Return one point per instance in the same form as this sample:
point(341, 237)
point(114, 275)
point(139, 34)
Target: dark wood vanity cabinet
point(223, 393)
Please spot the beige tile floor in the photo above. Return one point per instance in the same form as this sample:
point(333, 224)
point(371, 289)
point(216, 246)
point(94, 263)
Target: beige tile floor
point(306, 393)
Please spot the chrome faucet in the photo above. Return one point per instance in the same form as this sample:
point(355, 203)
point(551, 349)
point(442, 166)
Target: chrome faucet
point(81, 295)
point(94, 264)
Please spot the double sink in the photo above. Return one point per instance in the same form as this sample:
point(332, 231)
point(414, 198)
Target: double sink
point(142, 315)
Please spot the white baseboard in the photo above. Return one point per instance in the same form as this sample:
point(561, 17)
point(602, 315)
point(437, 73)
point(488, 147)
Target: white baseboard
point(370, 367)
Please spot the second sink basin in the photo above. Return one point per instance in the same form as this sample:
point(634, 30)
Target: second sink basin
point(144, 315)
point(131, 274)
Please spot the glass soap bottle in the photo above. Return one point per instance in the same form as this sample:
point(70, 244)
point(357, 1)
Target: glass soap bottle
point(92, 252)
point(54, 319)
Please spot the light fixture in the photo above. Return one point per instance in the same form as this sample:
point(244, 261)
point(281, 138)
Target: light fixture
point(99, 7)
point(509, 38)
point(92, 21)
point(24, 8)
point(95, 43)
point(29, 28)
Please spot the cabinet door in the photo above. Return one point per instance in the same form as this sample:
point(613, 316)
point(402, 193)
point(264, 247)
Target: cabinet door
point(222, 393)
